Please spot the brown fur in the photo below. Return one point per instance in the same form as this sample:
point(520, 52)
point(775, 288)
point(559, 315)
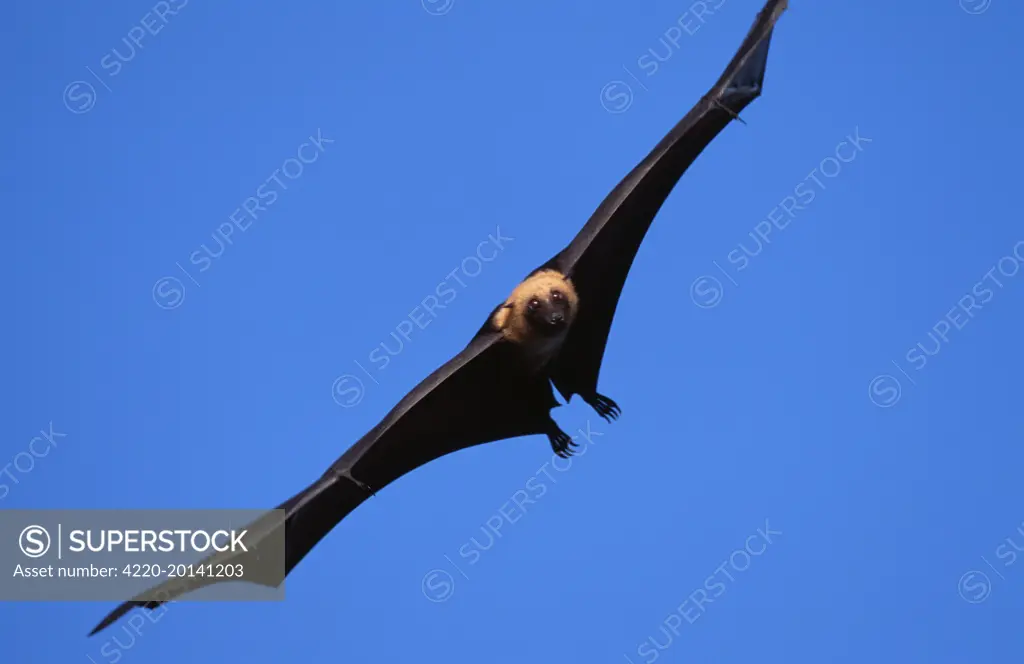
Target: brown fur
point(510, 318)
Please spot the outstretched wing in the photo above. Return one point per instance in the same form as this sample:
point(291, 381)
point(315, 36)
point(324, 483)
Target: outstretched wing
point(470, 400)
point(599, 257)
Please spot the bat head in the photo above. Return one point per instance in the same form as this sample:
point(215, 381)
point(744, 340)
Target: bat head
point(548, 312)
point(542, 306)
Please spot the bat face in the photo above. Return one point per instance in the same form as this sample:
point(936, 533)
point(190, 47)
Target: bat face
point(548, 313)
point(539, 311)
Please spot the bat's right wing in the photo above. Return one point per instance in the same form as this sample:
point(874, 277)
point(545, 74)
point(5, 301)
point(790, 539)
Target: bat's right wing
point(468, 401)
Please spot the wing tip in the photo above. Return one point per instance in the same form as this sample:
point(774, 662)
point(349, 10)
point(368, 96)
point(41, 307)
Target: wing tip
point(120, 611)
point(113, 616)
point(744, 76)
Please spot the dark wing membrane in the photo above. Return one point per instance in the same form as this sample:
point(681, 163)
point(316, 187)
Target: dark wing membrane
point(468, 401)
point(599, 257)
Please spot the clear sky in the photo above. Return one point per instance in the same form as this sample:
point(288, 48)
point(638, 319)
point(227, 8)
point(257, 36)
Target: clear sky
point(775, 398)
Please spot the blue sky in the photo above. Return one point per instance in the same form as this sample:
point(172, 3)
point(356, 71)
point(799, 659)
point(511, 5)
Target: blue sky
point(808, 383)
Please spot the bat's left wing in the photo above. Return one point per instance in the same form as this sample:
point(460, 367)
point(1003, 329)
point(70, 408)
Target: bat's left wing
point(599, 257)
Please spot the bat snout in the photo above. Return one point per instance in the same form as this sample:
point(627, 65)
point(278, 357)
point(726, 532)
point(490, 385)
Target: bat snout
point(549, 321)
point(556, 321)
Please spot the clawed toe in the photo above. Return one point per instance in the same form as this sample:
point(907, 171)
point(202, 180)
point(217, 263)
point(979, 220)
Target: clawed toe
point(606, 407)
point(561, 444)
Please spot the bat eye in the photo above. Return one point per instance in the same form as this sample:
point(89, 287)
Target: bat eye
point(533, 304)
point(556, 295)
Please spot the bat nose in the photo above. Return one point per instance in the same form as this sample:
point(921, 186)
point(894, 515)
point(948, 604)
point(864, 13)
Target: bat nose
point(556, 318)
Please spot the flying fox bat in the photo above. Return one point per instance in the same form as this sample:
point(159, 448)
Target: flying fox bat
point(551, 329)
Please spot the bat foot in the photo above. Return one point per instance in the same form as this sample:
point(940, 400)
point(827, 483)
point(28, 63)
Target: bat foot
point(605, 407)
point(561, 443)
point(347, 474)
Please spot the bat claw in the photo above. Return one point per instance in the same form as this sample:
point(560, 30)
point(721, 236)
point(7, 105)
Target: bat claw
point(735, 115)
point(561, 443)
point(605, 407)
point(347, 474)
